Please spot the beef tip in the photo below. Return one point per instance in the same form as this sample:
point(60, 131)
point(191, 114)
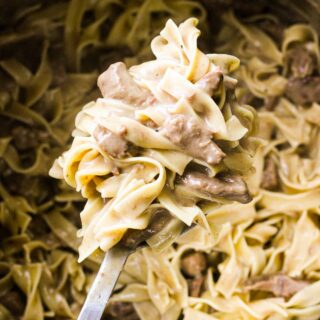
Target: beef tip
point(300, 62)
point(303, 91)
point(190, 136)
point(34, 189)
point(279, 285)
point(270, 178)
point(228, 187)
point(245, 98)
point(14, 302)
point(25, 138)
point(122, 311)
point(195, 286)
point(117, 83)
point(112, 143)
point(133, 238)
point(194, 264)
point(271, 102)
point(210, 82)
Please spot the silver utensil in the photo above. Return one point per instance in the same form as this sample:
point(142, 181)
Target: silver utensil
point(106, 279)
point(104, 283)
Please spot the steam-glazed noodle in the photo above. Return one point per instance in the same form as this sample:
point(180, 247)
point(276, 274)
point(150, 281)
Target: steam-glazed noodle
point(262, 257)
point(258, 260)
point(164, 109)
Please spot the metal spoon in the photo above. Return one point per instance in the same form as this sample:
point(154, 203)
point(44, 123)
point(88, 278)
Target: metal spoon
point(104, 283)
point(106, 279)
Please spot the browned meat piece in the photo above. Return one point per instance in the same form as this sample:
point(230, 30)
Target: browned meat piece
point(271, 102)
point(210, 82)
point(117, 83)
point(132, 238)
point(190, 136)
point(195, 286)
point(303, 91)
point(279, 285)
point(27, 138)
point(122, 311)
point(229, 187)
point(193, 264)
point(13, 301)
point(270, 178)
point(300, 62)
point(112, 143)
point(246, 98)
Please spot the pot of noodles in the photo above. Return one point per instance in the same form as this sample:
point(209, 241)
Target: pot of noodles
point(185, 133)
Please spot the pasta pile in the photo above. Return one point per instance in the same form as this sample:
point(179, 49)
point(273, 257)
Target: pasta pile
point(258, 260)
point(263, 257)
point(46, 77)
point(121, 187)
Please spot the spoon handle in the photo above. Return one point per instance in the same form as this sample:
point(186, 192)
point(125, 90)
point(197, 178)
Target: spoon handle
point(104, 283)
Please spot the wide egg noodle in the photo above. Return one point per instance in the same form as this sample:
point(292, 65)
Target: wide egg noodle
point(41, 265)
point(278, 231)
point(88, 168)
point(38, 220)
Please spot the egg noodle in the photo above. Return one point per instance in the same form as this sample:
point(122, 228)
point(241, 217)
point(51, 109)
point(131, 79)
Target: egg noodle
point(173, 78)
point(274, 235)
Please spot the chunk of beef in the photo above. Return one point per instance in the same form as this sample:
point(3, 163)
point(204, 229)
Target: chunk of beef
point(279, 285)
point(190, 136)
point(228, 187)
point(270, 102)
point(14, 302)
point(270, 178)
point(210, 82)
point(122, 311)
point(195, 286)
point(25, 138)
point(117, 83)
point(35, 189)
point(133, 238)
point(194, 264)
point(112, 143)
point(303, 91)
point(300, 62)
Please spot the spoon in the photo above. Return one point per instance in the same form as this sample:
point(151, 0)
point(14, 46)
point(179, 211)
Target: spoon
point(107, 276)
